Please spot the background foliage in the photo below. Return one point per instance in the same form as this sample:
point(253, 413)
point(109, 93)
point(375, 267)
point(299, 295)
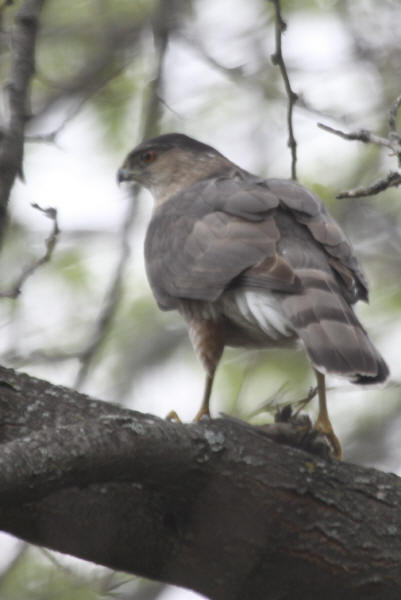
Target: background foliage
point(112, 72)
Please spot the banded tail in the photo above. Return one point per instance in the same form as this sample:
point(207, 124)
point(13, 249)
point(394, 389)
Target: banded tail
point(334, 339)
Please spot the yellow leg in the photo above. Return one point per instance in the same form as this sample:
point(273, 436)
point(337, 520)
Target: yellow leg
point(204, 409)
point(323, 423)
point(172, 416)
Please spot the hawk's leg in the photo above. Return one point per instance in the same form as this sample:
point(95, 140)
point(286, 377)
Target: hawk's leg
point(207, 339)
point(204, 409)
point(173, 416)
point(323, 424)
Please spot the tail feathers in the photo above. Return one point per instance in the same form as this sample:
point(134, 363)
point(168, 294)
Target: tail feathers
point(382, 373)
point(334, 339)
point(339, 349)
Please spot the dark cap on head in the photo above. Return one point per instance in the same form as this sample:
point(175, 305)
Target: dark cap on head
point(176, 140)
point(170, 162)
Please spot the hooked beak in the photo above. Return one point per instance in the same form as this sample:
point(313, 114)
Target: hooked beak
point(123, 175)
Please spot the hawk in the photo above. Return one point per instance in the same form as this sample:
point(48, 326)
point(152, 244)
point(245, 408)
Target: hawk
point(251, 262)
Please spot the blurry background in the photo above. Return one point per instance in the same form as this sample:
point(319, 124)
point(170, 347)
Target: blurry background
point(110, 72)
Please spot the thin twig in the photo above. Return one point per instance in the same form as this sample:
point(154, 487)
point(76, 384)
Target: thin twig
point(277, 59)
point(393, 179)
point(280, 398)
point(392, 120)
point(362, 135)
point(392, 141)
point(50, 244)
point(255, 81)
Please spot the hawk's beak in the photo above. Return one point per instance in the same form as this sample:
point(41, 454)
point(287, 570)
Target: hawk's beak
point(123, 175)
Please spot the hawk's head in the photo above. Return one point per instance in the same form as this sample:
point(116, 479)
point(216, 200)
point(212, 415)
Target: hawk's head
point(170, 163)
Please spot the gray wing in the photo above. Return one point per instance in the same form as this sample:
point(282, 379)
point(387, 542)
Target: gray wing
point(201, 240)
point(225, 231)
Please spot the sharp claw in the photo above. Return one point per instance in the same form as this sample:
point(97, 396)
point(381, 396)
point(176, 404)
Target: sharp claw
point(203, 413)
point(172, 416)
point(333, 440)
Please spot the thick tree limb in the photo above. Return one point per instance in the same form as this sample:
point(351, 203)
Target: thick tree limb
point(215, 506)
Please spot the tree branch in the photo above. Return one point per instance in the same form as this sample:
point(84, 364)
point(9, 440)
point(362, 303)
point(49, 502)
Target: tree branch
point(393, 115)
point(277, 59)
point(50, 244)
point(392, 179)
point(362, 135)
point(17, 89)
point(215, 506)
point(392, 141)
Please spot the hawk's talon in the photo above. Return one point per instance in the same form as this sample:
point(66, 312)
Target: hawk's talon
point(332, 439)
point(173, 416)
point(203, 414)
point(323, 423)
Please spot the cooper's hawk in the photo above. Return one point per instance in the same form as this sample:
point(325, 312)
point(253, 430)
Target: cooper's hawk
point(251, 262)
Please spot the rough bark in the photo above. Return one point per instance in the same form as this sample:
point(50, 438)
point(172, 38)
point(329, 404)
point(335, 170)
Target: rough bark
point(216, 506)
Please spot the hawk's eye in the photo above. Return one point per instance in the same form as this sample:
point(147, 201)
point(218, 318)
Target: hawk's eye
point(148, 156)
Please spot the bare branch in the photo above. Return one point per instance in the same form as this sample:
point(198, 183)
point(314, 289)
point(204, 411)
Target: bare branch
point(393, 179)
point(256, 81)
point(393, 114)
point(17, 90)
point(392, 141)
point(277, 59)
point(161, 29)
point(50, 244)
point(362, 135)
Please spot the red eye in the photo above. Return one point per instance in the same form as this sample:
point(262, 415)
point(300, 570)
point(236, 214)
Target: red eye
point(148, 157)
